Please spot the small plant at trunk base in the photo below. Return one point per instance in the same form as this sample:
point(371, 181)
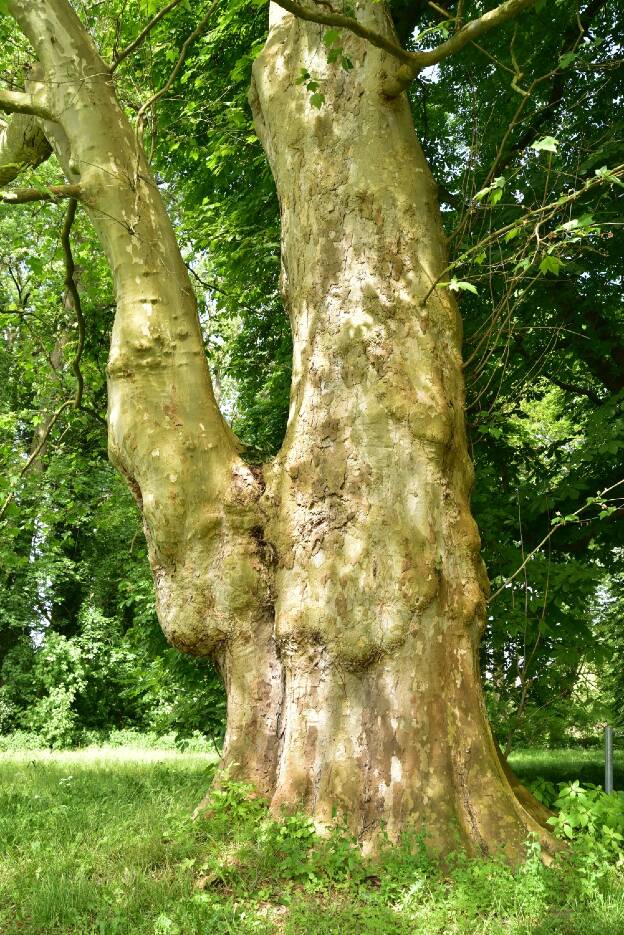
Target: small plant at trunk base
point(584, 812)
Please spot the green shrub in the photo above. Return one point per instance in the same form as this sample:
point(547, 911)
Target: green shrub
point(584, 812)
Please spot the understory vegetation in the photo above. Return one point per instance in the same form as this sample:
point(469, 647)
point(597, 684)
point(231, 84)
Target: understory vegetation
point(102, 841)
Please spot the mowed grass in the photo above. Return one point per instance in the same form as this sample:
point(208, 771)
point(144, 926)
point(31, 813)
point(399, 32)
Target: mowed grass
point(568, 764)
point(97, 841)
point(102, 842)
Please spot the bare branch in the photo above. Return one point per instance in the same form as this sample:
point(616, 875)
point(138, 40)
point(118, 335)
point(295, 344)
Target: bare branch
point(143, 34)
point(411, 62)
point(178, 65)
point(22, 196)
point(74, 298)
point(20, 102)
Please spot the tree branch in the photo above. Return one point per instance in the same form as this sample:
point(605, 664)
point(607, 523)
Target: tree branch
point(472, 30)
point(74, 298)
point(22, 196)
point(411, 62)
point(569, 42)
point(20, 102)
point(176, 68)
point(22, 143)
point(143, 34)
point(357, 28)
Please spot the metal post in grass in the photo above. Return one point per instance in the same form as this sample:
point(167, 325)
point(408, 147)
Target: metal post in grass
point(608, 742)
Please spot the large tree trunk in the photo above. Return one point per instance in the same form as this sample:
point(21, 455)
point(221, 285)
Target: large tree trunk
point(351, 664)
point(380, 588)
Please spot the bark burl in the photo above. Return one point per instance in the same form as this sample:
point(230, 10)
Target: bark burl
point(342, 594)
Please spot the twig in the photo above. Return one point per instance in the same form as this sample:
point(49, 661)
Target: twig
point(143, 34)
point(35, 454)
point(75, 402)
point(176, 68)
point(545, 540)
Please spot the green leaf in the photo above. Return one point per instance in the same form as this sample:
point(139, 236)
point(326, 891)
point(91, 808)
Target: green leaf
point(331, 37)
point(604, 173)
point(547, 144)
point(346, 63)
point(512, 234)
point(317, 100)
point(566, 59)
point(551, 264)
point(457, 285)
point(482, 193)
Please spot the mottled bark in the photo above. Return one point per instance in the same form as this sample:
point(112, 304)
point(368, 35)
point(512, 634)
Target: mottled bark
point(22, 145)
point(344, 605)
point(166, 434)
point(380, 588)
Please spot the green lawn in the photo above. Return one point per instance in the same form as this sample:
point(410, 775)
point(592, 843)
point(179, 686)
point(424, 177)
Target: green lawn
point(101, 842)
point(567, 764)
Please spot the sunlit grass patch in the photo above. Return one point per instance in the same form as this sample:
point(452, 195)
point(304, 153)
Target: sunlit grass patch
point(567, 764)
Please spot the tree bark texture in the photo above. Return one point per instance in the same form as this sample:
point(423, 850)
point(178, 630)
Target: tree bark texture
point(380, 588)
point(22, 144)
point(344, 603)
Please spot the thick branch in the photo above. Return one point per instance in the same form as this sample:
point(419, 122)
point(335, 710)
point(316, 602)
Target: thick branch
point(19, 102)
point(357, 28)
point(22, 144)
point(411, 62)
point(23, 196)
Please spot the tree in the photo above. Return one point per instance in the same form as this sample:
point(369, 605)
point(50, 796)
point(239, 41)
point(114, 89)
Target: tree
point(340, 588)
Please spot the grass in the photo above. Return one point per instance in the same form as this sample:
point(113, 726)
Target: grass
point(100, 842)
point(566, 765)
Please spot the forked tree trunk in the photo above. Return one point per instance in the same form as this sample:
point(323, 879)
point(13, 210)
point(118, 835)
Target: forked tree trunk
point(350, 661)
